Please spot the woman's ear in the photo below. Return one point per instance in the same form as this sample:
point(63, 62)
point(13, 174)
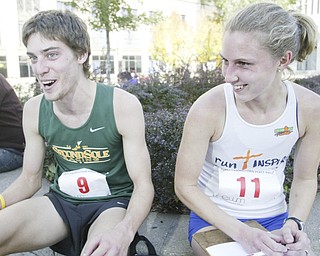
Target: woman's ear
point(285, 60)
point(83, 57)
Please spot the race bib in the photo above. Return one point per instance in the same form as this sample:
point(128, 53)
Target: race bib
point(84, 183)
point(263, 185)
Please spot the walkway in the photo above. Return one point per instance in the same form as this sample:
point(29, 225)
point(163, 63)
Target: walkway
point(168, 232)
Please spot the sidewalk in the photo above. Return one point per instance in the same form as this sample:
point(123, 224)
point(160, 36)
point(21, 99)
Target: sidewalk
point(168, 232)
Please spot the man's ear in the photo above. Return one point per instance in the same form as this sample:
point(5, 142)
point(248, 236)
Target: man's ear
point(285, 60)
point(83, 57)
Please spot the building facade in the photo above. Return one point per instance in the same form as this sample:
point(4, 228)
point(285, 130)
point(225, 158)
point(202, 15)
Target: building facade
point(311, 66)
point(129, 49)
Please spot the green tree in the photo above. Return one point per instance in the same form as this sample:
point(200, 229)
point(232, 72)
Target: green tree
point(225, 8)
point(113, 15)
point(171, 42)
point(177, 45)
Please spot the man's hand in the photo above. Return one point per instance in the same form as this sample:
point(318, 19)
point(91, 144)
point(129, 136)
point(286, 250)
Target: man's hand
point(111, 244)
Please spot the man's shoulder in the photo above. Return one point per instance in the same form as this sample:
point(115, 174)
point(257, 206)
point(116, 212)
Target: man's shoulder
point(34, 101)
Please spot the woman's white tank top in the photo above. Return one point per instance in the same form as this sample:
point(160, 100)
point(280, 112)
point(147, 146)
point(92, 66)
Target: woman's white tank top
point(243, 172)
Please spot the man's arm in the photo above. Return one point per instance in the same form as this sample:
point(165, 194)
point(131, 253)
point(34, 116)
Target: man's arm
point(29, 181)
point(130, 123)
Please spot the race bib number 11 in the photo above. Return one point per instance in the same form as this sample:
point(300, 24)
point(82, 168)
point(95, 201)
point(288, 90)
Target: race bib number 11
point(250, 185)
point(84, 183)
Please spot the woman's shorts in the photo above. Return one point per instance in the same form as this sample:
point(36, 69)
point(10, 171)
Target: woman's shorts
point(78, 218)
point(272, 223)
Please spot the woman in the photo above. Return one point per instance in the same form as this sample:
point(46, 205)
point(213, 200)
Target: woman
point(238, 136)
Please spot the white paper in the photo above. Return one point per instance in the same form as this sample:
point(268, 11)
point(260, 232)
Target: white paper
point(231, 248)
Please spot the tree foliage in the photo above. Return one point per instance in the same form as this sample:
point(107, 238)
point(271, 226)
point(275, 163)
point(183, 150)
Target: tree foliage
point(176, 45)
point(172, 41)
point(226, 8)
point(113, 15)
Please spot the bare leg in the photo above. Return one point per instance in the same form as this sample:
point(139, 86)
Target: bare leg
point(29, 225)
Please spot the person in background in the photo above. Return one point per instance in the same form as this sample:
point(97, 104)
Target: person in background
point(11, 133)
point(126, 80)
point(102, 190)
point(238, 137)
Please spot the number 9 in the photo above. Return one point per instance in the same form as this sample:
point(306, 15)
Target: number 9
point(83, 185)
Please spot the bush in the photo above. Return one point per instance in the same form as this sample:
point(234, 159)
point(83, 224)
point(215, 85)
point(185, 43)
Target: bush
point(166, 107)
point(163, 136)
point(312, 83)
point(154, 97)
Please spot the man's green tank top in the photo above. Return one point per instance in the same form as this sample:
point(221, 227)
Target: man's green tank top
point(96, 145)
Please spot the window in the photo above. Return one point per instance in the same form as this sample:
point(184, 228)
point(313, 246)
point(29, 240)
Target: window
point(99, 64)
point(29, 6)
point(25, 67)
point(132, 63)
point(3, 66)
point(310, 63)
point(61, 5)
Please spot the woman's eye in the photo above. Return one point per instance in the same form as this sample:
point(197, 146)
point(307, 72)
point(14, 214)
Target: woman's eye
point(242, 64)
point(225, 62)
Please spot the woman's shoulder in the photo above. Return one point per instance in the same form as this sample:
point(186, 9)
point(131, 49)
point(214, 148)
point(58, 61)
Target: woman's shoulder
point(308, 107)
point(214, 98)
point(306, 97)
point(210, 105)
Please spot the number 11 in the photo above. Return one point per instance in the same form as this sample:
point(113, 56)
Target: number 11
point(242, 181)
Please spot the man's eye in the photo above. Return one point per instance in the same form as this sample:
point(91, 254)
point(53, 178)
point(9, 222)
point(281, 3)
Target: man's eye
point(33, 59)
point(52, 55)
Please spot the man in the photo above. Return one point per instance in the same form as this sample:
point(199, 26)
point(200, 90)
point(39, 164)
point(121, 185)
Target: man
point(11, 134)
point(126, 80)
point(102, 191)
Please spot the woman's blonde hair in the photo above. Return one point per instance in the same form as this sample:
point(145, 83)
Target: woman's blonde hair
point(277, 29)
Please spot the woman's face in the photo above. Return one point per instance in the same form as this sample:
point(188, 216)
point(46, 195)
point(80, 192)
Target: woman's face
point(247, 66)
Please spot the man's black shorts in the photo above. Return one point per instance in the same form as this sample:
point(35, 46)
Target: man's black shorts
point(78, 218)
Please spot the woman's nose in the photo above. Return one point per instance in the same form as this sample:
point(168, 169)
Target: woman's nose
point(230, 75)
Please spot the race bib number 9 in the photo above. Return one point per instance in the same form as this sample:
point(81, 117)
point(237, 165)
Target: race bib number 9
point(84, 183)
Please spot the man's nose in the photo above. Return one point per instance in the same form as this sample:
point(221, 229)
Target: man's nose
point(41, 67)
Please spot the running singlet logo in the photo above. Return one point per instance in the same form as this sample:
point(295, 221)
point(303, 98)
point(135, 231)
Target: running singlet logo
point(283, 131)
point(82, 153)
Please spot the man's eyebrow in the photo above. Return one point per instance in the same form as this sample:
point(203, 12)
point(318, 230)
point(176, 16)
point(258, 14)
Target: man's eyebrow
point(44, 50)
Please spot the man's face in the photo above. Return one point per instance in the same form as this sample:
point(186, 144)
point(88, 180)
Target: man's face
point(55, 66)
